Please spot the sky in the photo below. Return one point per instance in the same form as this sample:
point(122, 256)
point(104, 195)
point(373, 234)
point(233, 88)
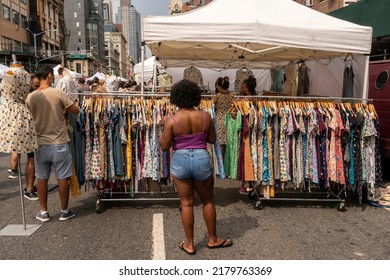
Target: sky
point(146, 7)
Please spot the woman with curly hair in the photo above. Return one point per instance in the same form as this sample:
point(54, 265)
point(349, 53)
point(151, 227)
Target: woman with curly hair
point(188, 131)
point(223, 102)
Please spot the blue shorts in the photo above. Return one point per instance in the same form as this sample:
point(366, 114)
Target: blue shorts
point(191, 164)
point(57, 157)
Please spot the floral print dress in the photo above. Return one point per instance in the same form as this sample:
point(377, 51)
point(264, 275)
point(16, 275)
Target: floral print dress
point(17, 127)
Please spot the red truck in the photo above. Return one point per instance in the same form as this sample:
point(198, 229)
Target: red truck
point(379, 91)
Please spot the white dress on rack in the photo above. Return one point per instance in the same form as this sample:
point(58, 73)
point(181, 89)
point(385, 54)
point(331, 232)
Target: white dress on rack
point(17, 127)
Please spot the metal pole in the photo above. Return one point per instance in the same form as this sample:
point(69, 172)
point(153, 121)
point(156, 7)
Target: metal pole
point(365, 79)
point(35, 50)
point(142, 66)
point(21, 193)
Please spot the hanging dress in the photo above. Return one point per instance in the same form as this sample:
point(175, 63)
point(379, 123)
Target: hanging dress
point(303, 81)
point(231, 153)
point(290, 86)
point(222, 105)
point(17, 127)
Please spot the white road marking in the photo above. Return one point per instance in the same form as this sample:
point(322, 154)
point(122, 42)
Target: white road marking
point(388, 209)
point(158, 237)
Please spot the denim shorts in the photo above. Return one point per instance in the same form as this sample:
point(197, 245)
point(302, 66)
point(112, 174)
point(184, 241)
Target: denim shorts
point(191, 164)
point(57, 157)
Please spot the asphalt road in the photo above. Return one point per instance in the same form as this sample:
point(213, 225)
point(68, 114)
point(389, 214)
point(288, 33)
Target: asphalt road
point(140, 230)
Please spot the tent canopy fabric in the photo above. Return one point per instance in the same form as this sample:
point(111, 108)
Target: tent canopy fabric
point(3, 69)
point(98, 75)
point(148, 69)
point(72, 73)
point(252, 33)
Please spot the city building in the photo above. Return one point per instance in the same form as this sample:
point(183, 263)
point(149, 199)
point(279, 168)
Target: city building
point(33, 30)
point(84, 21)
point(13, 34)
point(371, 13)
point(178, 6)
point(130, 19)
point(175, 6)
point(107, 11)
point(116, 55)
point(326, 6)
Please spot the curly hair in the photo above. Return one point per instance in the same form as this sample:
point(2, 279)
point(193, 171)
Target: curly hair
point(223, 82)
point(185, 94)
point(251, 84)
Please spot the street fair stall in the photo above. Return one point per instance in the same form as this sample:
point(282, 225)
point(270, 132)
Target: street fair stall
point(291, 140)
point(320, 58)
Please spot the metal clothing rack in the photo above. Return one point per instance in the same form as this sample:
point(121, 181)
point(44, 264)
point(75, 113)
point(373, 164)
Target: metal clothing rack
point(108, 194)
point(308, 196)
point(305, 196)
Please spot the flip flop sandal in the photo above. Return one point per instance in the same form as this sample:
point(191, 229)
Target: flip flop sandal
point(224, 244)
point(181, 246)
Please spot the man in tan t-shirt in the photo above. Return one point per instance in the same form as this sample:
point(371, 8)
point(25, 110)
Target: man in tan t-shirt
point(48, 106)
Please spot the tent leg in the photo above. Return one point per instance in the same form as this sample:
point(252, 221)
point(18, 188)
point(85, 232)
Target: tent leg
point(365, 80)
point(142, 67)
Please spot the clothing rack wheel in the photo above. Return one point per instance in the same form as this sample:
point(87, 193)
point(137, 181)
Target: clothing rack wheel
point(329, 196)
point(258, 205)
point(98, 206)
point(341, 207)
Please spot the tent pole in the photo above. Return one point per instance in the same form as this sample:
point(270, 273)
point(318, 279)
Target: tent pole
point(142, 66)
point(365, 79)
point(154, 75)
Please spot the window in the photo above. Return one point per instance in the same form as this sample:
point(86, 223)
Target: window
point(382, 79)
point(24, 21)
point(78, 5)
point(77, 24)
point(309, 3)
point(6, 13)
point(17, 46)
point(6, 44)
point(23, 2)
point(78, 67)
point(75, 14)
point(79, 33)
point(15, 17)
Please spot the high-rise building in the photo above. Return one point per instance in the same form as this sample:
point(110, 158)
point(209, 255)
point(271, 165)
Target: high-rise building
point(84, 20)
point(116, 53)
point(130, 19)
point(107, 11)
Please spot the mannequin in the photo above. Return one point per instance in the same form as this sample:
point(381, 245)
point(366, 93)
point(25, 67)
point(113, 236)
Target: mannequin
point(17, 128)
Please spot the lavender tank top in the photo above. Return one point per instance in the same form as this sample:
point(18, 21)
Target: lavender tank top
point(190, 141)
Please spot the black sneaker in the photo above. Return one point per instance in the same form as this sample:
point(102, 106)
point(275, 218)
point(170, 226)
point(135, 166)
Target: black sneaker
point(67, 215)
point(34, 189)
point(31, 195)
point(13, 174)
point(43, 217)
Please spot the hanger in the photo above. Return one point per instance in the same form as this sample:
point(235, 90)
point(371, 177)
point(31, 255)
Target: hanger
point(349, 55)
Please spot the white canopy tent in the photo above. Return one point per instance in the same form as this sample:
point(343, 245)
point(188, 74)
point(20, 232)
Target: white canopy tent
point(258, 34)
point(149, 68)
point(72, 73)
point(3, 69)
point(98, 75)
